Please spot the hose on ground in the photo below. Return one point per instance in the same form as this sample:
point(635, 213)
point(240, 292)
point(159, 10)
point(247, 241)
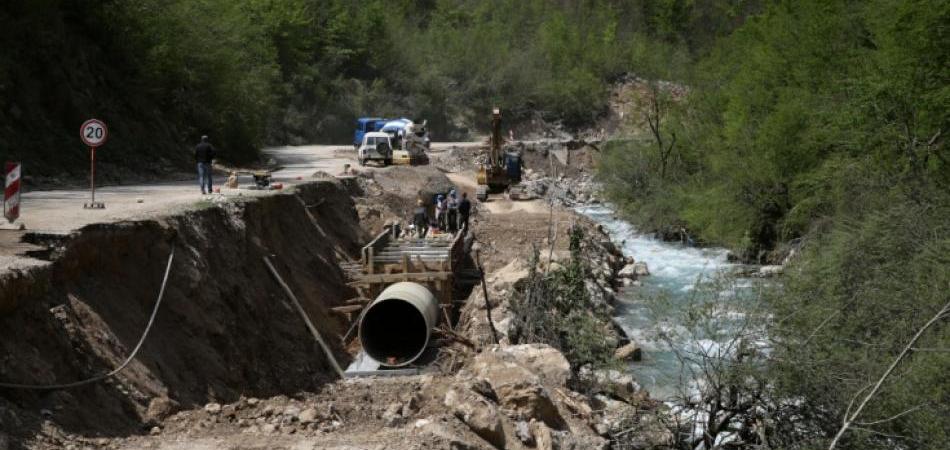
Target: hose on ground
point(135, 351)
point(306, 319)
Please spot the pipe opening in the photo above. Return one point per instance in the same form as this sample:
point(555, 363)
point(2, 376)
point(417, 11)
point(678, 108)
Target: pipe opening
point(394, 332)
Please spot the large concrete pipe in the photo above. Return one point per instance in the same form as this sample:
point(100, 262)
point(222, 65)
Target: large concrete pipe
point(395, 328)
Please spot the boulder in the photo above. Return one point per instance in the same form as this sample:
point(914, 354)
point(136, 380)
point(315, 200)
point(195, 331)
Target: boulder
point(547, 362)
point(440, 432)
point(579, 441)
point(159, 408)
point(610, 381)
point(769, 271)
point(641, 269)
point(631, 351)
point(213, 408)
point(520, 390)
point(542, 436)
point(629, 271)
point(614, 415)
point(598, 298)
point(308, 416)
point(627, 282)
point(523, 433)
point(393, 415)
point(479, 413)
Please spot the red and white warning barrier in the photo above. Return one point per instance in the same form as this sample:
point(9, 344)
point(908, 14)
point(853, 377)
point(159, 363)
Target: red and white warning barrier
point(11, 192)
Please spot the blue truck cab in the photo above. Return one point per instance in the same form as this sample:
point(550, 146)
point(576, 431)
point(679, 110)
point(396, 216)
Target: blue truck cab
point(366, 125)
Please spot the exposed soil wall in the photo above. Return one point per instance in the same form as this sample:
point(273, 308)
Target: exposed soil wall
point(225, 327)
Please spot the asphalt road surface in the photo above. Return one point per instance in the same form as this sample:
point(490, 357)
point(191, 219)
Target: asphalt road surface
point(61, 211)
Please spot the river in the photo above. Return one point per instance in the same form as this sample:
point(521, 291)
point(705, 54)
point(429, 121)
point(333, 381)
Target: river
point(675, 270)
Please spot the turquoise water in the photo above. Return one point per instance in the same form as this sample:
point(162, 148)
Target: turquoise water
point(675, 270)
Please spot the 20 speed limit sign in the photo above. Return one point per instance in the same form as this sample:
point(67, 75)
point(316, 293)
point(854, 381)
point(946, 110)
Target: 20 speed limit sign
point(93, 132)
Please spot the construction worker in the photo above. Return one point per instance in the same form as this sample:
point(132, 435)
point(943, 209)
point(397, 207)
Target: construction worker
point(420, 219)
point(452, 208)
point(204, 155)
point(465, 209)
point(440, 206)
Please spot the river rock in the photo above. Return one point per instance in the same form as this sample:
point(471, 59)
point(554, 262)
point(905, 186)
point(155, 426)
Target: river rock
point(769, 271)
point(641, 269)
point(610, 381)
point(630, 351)
point(629, 271)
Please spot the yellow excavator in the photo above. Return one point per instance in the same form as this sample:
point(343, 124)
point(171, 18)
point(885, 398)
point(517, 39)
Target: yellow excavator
point(501, 170)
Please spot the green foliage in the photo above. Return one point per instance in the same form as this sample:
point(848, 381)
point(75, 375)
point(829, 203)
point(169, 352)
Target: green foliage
point(259, 72)
point(865, 288)
point(822, 122)
point(781, 106)
point(554, 307)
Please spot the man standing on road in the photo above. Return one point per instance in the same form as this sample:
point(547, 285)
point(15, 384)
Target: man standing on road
point(204, 155)
point(465, 209)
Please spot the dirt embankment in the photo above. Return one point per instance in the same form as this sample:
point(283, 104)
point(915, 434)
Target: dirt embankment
point(224, 330)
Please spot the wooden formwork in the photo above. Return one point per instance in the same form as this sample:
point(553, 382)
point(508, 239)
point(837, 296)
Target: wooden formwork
point(433, 261)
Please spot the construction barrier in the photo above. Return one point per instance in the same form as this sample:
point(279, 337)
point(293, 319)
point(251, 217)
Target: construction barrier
point(11, 191)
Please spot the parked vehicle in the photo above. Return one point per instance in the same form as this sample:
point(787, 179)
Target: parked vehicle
point(366, 125)
point(376, 146)
point(410, 140)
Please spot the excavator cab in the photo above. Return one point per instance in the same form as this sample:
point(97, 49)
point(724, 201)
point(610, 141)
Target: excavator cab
point(494, 174)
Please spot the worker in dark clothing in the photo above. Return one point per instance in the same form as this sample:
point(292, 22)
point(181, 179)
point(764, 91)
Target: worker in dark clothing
point(204, 155)
point(465, 209)
point(420, 219)
point(452, 212)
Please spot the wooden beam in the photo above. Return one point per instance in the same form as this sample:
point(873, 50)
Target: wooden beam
point(394, 277)
point(348, 309)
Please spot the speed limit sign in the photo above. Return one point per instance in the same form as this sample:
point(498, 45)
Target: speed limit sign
point(93, 132)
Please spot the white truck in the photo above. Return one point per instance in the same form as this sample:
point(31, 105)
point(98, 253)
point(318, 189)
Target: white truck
point(376, 146)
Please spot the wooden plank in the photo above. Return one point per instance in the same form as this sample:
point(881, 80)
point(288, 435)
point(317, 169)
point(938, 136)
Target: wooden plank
point(382, 373)
point(348, 309)
point(391, 278)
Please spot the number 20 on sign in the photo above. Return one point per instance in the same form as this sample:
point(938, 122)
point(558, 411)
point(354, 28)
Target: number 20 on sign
point(93, 133)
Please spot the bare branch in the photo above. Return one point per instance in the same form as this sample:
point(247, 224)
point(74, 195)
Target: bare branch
point(849, 420)
point(894, 417)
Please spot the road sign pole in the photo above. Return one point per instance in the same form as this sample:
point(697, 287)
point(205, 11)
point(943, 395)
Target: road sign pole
point(92, 173)
point(92, 182)
point(93, 133)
